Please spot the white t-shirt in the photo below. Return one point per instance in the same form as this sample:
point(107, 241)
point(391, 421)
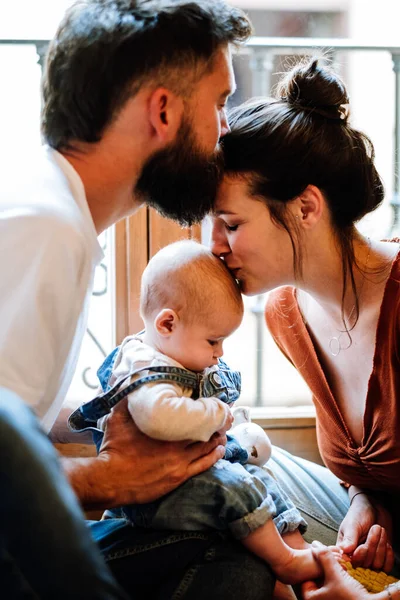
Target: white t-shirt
point(48, 254)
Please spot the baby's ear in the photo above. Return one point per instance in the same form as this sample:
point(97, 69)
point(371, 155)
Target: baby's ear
point(166, 322)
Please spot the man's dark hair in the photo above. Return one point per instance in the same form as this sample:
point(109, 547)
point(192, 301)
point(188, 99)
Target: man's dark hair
point(105, 50)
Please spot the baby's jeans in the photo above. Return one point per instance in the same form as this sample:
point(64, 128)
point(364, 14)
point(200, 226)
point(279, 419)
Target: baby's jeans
point(228, 496)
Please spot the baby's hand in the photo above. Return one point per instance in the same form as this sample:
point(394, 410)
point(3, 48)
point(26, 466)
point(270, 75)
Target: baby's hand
point(227, 425)
point(337, 552)
point(301, 566)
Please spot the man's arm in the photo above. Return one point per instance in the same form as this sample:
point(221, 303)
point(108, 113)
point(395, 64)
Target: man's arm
point(133, 468)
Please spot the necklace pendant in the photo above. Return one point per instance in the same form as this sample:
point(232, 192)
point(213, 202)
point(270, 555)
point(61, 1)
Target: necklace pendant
point(334, 346)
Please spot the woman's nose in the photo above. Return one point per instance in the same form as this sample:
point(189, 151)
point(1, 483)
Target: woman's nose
point(219, 243)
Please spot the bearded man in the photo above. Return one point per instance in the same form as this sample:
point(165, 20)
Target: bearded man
point(134, 95)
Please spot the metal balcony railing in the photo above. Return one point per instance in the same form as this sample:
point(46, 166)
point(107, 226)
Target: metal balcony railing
point(264, 49)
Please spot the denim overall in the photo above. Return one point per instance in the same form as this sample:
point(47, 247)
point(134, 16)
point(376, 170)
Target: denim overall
point(230, 495)
point(223, 384)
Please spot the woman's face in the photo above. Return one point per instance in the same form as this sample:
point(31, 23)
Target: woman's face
point(258, 252)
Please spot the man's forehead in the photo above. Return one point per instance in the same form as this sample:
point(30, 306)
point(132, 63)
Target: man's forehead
point(221, 74)
point(224, 67)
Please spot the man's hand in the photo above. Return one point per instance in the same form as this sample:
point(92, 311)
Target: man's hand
point(337, 584)
point(365, 534)
point(133, 468)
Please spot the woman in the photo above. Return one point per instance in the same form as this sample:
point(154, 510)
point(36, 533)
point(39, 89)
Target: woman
point(298, 177)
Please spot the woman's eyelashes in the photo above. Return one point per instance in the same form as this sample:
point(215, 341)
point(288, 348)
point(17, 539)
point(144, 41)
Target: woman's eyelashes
point(231, 227)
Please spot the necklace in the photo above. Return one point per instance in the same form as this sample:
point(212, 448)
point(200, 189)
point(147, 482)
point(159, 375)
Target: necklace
point(335, 343)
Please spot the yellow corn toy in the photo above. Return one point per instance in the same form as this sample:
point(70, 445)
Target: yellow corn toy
point(373, 581)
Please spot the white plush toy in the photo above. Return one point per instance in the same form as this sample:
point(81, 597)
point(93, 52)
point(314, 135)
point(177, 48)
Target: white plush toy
point(250, 436)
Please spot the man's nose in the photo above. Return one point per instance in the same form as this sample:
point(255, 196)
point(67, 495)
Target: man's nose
point(224, 125)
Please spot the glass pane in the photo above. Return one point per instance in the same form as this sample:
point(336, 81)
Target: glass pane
point(28, 19)
point(99, 339)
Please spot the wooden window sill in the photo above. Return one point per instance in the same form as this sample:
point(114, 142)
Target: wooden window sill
point(284, 417)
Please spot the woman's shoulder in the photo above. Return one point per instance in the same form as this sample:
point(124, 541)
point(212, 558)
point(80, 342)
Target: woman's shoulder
point(395, 270)
point(282, 314)
point(280, 302)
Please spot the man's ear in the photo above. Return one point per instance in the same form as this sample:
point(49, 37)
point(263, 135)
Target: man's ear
point(166, 322)
point(165, 114)
point(308, 208)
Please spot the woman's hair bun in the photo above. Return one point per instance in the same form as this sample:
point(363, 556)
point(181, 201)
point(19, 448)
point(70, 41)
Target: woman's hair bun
point(315, 88)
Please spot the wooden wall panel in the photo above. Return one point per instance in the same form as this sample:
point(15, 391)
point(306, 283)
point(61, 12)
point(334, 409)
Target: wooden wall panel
point(137, 257)
point(137, 239)
point(195, 233)
point(121, 311)
point(298, 441)
point(163, 231)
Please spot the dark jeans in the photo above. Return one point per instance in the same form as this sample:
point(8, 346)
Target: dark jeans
point(177, 565)
point(46, 551)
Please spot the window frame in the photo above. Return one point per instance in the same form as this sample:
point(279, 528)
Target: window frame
point(137, 239)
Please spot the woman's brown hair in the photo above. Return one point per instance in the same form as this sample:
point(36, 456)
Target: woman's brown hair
point(303, 137)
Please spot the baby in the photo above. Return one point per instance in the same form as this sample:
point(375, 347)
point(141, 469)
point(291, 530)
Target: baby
point(179, 389)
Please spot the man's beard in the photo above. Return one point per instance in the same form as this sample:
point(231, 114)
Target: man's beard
point(181, 181)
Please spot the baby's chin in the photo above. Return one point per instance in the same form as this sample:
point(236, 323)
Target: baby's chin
point(200, 369)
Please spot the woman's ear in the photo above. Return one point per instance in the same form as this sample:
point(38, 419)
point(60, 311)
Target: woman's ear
point(166, 322)
point(308, 208)
point(165, 114)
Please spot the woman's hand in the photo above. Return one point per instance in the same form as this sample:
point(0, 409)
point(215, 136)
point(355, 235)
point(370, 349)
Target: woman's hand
point(133, 468)
point(365, 534)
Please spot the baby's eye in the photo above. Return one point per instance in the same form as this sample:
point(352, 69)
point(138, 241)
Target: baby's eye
point(212, 342)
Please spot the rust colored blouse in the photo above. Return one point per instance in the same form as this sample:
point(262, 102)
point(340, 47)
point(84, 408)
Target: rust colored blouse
point(375, 464)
